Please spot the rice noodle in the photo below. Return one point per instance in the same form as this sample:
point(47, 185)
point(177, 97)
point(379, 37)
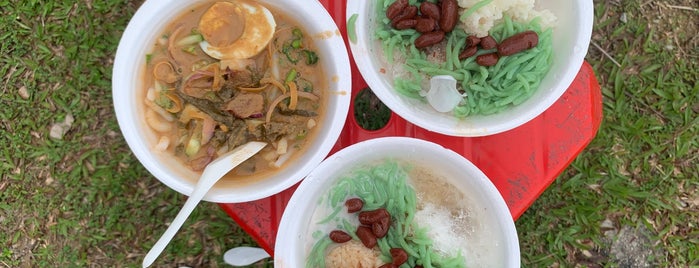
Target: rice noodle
point(152, 118)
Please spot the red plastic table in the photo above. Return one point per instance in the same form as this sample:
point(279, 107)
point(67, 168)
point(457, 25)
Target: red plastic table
point(521, 162)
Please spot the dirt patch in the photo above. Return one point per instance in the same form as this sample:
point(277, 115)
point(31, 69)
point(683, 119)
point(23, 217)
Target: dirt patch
point(632, 247)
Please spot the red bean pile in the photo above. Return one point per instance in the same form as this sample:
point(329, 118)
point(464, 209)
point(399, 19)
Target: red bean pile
point(434, 21)
point(511, 45)
point(375, 224)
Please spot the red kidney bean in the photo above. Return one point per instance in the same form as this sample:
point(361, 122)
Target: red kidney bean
point(425, 25)
point(372, 216)
point(338, 236)
point(366, 236)
point(406, 24)
point(428, 39)
point(468, 52)
point(380, 228)
point(409, 12)
point(388, 265)
point(354, 204)
point(394, 9)
point(399, 256)
point(489, 59)
point(488, 42)
point(450, 14)
point(430, 10)
point(518, 42)
point(472, 40)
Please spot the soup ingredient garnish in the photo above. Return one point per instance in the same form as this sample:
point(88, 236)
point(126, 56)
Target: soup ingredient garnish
point(215, 26)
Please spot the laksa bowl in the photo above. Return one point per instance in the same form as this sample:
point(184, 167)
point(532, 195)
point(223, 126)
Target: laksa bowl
point(195, 79)
point(396, 200)
point(469, 67)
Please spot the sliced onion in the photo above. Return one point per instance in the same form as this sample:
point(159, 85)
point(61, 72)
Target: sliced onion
point(155, 123)
point(163, 143)
point(285, 157)
point(273, 105)
point(207, 130)
point(282, 146)
point(308, 95)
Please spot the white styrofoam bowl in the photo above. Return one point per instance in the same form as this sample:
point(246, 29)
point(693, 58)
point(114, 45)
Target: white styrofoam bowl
point(292, 241)
point(128, 92)
point(571, 38)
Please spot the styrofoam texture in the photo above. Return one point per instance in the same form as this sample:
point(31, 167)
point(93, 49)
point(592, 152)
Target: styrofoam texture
point(571, 39)
point(129, 91)
point(292, 247)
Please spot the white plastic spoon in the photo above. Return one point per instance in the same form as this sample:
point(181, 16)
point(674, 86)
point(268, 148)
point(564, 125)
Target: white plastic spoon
point(244, 256)
point(212, 173)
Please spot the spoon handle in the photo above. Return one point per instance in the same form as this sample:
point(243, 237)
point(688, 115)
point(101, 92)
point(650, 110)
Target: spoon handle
point(212, 173)
point(177, 223)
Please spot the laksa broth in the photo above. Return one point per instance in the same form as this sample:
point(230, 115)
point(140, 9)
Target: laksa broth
point(228, 72)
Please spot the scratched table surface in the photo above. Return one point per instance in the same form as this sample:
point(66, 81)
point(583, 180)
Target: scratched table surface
point(521, 162)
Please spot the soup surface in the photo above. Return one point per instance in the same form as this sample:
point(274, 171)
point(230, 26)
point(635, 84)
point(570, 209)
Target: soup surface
point(428, 221)
point(228, 72)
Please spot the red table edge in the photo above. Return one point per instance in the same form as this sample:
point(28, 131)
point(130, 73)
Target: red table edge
point(597, 116)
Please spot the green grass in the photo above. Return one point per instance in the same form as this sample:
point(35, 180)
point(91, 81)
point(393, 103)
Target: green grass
point(84, 200)
point(643, 165)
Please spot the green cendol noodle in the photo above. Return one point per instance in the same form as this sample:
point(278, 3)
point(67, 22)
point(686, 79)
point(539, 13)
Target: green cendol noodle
point(488, 90)
point(382, 186)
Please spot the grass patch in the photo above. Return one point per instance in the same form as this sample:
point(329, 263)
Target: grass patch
point(82, 200)
point(641, 169)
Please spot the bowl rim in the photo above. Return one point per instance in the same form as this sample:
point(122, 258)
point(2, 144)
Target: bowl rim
point(493, 124)
point(322, 175)
point(131, 42)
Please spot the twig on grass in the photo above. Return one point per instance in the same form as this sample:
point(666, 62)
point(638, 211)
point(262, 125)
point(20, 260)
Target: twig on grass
point(682, 7)
point(605, 53)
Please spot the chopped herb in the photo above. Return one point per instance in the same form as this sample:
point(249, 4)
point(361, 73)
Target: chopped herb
point(305, 85)
point(291, 75)
point(190, 50)
point(302, 134)
point(311, 57)
point(287, 50)
point(149, 58)
point(297, 33)
point(296, 43)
